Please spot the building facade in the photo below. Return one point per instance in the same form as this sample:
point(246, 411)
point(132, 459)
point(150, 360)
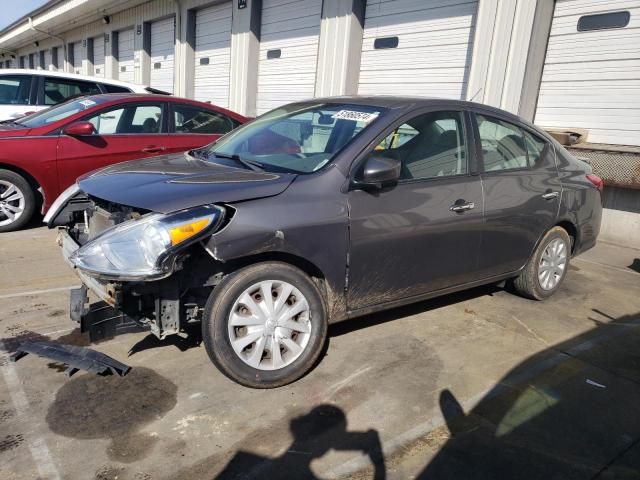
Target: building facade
point(568, 65)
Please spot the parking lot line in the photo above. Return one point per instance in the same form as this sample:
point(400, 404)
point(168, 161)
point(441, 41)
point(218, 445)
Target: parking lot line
point(36, 292)
point(38, 446)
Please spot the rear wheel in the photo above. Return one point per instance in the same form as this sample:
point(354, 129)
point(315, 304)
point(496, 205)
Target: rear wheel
point(265, 325)
point(17, 201)
point(547, 267)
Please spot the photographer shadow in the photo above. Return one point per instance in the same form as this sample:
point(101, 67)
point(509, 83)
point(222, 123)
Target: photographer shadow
point(323, 429)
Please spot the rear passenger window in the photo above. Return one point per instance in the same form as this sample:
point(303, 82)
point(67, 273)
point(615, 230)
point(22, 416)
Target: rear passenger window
point(15, 89)
point(429, 146)
point(57, 90)
point(503, 145)
point(537, 149)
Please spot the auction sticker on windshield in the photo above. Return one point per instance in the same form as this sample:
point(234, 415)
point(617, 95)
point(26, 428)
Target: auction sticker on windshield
point(87, 103)
point(356, 116)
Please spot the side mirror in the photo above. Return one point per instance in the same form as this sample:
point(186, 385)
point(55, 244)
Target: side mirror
point(79, 129)
point(379, 172)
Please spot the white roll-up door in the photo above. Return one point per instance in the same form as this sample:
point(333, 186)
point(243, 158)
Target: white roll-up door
point(417, 47)
point(77, 57)
point(98, 56)
point(213, 54)
point(591, 78)
point(162, 54)
point(289, 34)
point(125, 55)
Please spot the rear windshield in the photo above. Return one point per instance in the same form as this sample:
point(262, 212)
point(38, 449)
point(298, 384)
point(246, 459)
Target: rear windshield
point(59, 112)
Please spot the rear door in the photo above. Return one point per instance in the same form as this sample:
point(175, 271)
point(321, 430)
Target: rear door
point(522, 192)
point(123, 132)
point(423, 234)
point(192, 127)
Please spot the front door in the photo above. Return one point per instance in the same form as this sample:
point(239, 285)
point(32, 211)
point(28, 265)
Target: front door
point(128, 132)
point(423, 234)
point(522, 193)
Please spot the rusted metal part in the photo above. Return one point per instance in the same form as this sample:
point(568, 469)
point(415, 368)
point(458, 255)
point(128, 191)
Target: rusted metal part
point(616, 168)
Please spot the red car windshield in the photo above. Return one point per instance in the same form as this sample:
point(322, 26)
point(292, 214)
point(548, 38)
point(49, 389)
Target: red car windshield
point(59, 112)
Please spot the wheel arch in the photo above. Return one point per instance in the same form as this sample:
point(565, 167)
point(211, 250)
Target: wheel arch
point(23, 173)
point(571, 229)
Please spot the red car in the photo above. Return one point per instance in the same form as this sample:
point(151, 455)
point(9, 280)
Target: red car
point(46, 152)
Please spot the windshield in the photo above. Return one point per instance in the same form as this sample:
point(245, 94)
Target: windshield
point(300, 138)
point(59, 112)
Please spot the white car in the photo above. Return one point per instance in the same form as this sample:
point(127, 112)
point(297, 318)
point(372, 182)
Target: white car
point(25, 91)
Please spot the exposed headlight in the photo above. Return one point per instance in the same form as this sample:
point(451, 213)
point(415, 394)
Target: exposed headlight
point(145, 248)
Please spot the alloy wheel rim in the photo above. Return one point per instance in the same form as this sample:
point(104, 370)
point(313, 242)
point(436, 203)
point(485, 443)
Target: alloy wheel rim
point(553, 263)
point(270, 325)
point(12, 203)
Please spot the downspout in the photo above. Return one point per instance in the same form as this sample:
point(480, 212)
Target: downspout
point(64, 42)
point(179, 63)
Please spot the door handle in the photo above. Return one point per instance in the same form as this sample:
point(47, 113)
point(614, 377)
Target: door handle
point(153, 149)
point(462, 207)
point(550, 195)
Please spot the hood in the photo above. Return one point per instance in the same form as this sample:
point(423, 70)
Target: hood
point(174, 182)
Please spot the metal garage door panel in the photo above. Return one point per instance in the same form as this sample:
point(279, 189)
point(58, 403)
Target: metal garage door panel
point(162, 54)
point(125, 55)
point(77, 57)
point(98, 56)
point(591, 80)
point(433, 55)
point(293, 28)
point(213, 45)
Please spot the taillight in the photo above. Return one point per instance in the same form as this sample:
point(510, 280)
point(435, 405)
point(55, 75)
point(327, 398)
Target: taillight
point(596, 180)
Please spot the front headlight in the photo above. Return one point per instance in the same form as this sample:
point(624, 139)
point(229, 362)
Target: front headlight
point(145, 248)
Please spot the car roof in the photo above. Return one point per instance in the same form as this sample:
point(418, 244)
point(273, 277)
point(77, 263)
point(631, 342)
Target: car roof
point(73, 76)
point(409, 102)
point(107, 99)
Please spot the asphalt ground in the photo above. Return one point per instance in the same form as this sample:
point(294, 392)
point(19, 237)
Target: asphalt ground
point(479, 384)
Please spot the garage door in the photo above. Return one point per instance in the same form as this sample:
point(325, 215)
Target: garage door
point(162, 54)
point(77, 57)
point(213, 54)
point(98, 56)
point(591, 77)
point(417, 47)
point(125, 55)
point(288, 51)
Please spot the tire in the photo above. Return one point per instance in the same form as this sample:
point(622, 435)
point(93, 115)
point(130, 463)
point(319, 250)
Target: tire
point(532, 282)
point(235, 311)
point(15, 185)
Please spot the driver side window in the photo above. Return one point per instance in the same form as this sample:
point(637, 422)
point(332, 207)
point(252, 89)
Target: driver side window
point(429, 145)
point(140, 119)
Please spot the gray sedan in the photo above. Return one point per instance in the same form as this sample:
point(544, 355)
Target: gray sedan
point(318, 212)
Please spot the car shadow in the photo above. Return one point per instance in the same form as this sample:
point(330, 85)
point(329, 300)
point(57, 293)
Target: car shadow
point(193, 339)
point(371, 320)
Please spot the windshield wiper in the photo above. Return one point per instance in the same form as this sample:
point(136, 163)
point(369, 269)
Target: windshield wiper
point(250, 164)
point(11, 122)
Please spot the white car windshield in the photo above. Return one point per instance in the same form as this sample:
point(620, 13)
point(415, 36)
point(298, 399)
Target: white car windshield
point(59, 112)
point(300, 138)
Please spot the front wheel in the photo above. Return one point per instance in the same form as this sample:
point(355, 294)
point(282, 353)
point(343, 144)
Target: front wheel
point(265, 325)
point(547, 267)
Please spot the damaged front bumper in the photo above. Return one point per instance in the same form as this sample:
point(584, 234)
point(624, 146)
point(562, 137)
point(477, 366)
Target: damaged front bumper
point(101, 319)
